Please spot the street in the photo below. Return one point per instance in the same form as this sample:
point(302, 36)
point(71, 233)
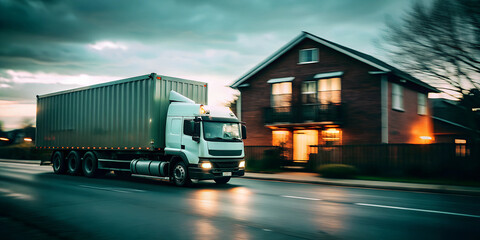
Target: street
point(76, 207)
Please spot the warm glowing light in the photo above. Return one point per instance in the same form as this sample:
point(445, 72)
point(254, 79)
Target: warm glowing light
point(204, 110)
point(460, 141)
point(4, 139)
point(332, 130)
point(425, 137)
point(206, 165)
point(27, 139)
point(242, 164)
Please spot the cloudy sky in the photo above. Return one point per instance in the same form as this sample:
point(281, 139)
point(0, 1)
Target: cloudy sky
point(52, 45)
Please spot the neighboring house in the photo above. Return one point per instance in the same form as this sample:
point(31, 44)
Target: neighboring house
point(450, 123)
point(313, 91)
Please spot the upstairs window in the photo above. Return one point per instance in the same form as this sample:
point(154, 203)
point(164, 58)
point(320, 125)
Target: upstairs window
point(422, 104)
point(309, 94)
point(397, 97)
point(282, 95)
point(308, 55)
point(329, 91)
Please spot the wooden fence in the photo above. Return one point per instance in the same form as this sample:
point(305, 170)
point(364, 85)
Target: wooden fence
point(420, 160)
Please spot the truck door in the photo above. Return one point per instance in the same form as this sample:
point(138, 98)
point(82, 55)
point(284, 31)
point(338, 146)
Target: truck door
point(189, 146)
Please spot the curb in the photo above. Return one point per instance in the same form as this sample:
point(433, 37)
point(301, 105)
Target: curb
point(442, 189)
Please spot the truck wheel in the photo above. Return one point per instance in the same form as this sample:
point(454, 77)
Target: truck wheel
point(221, 180)
point(59, 164)
point(74, 164)
point(90, 165)
point(180, 174)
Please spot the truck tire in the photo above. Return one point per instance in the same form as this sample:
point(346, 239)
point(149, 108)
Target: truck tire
point(180, 174)
point(58, 163)
point(90, 165)
point(222, 180)
point(74, 163)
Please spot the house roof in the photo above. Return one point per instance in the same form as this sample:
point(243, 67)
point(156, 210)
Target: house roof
point(372, 61)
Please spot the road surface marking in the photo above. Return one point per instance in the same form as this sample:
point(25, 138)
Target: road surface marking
point(418, 210)
point(122, 190)
point(304, 198)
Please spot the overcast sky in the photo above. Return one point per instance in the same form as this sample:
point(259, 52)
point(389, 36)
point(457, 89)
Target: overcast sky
point(52, 45)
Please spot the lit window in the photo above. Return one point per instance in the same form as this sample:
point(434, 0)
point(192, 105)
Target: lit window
point(422, 104)
point(397, 97)
point(308, 55)
point(461, 149)
point(282, 94)
point(329, 90)
point(280, 138)
point(332, 136)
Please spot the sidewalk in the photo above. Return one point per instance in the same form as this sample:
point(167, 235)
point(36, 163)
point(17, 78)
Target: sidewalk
point(313, 178)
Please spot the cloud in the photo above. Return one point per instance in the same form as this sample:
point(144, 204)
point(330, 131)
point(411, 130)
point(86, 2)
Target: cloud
point(52, 78)
point(53, 45)
point(108, 45)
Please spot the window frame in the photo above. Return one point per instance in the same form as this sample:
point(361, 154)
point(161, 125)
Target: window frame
point(272, 99)
point(315, 55)
point(422, 109)
point(329, 89)
point(400, 105)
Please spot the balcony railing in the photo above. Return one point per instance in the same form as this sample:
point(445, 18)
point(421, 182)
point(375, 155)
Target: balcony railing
point(304, 114)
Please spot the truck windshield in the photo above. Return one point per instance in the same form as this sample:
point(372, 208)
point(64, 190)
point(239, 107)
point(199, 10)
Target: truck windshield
point(221, 132)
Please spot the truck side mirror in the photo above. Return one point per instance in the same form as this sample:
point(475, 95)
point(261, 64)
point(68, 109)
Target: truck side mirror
point(196, 132)
point(244, 132)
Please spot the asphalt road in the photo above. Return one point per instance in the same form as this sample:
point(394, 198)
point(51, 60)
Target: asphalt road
point(32, 198)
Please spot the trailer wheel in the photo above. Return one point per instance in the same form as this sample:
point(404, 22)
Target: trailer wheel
point(59, 163)
point(221, 180)
point(74, 163)
point(90, 165)
point(180, 174)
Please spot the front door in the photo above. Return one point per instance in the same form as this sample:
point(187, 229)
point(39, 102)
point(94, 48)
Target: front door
point(302, 139)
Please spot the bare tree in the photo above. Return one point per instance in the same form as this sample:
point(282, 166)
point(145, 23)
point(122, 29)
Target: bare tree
point(439, 42)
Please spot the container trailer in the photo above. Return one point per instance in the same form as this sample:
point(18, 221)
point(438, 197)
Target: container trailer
point(147, 125)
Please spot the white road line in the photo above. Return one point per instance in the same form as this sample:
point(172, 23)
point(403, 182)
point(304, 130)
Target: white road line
point(122, 190)
point(304, 198)
point(418, 210)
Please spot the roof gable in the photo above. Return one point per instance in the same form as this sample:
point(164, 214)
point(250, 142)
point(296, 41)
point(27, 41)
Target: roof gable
point(365, 58)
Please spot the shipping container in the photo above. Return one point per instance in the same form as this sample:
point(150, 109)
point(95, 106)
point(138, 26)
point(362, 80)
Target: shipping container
point(127, 114)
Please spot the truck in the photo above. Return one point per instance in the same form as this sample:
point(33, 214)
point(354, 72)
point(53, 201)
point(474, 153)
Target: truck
point(151, 125)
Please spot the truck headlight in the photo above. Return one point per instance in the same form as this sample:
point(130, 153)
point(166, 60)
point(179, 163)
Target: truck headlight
point(241, 164)
point(205, 165)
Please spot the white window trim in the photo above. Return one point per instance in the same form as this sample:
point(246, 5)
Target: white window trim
point(280, 80)
point(300, 63)
point(402, 104)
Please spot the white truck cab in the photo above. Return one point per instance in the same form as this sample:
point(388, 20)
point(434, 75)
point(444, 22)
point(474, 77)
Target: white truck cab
point(207, 139)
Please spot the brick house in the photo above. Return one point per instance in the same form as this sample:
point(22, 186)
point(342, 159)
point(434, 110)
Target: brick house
point(313, 91)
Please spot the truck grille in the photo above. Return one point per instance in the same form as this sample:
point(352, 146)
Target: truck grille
point(229, 164)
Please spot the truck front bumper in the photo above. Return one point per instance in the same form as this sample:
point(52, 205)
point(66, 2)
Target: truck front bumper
point(206, 174)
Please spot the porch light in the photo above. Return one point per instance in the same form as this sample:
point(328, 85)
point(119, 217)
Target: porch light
point(332, 130)
point(426, 139)
point(27, 139)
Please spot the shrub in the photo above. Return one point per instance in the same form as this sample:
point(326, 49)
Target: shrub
point(270, 162)
point(337, 171)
